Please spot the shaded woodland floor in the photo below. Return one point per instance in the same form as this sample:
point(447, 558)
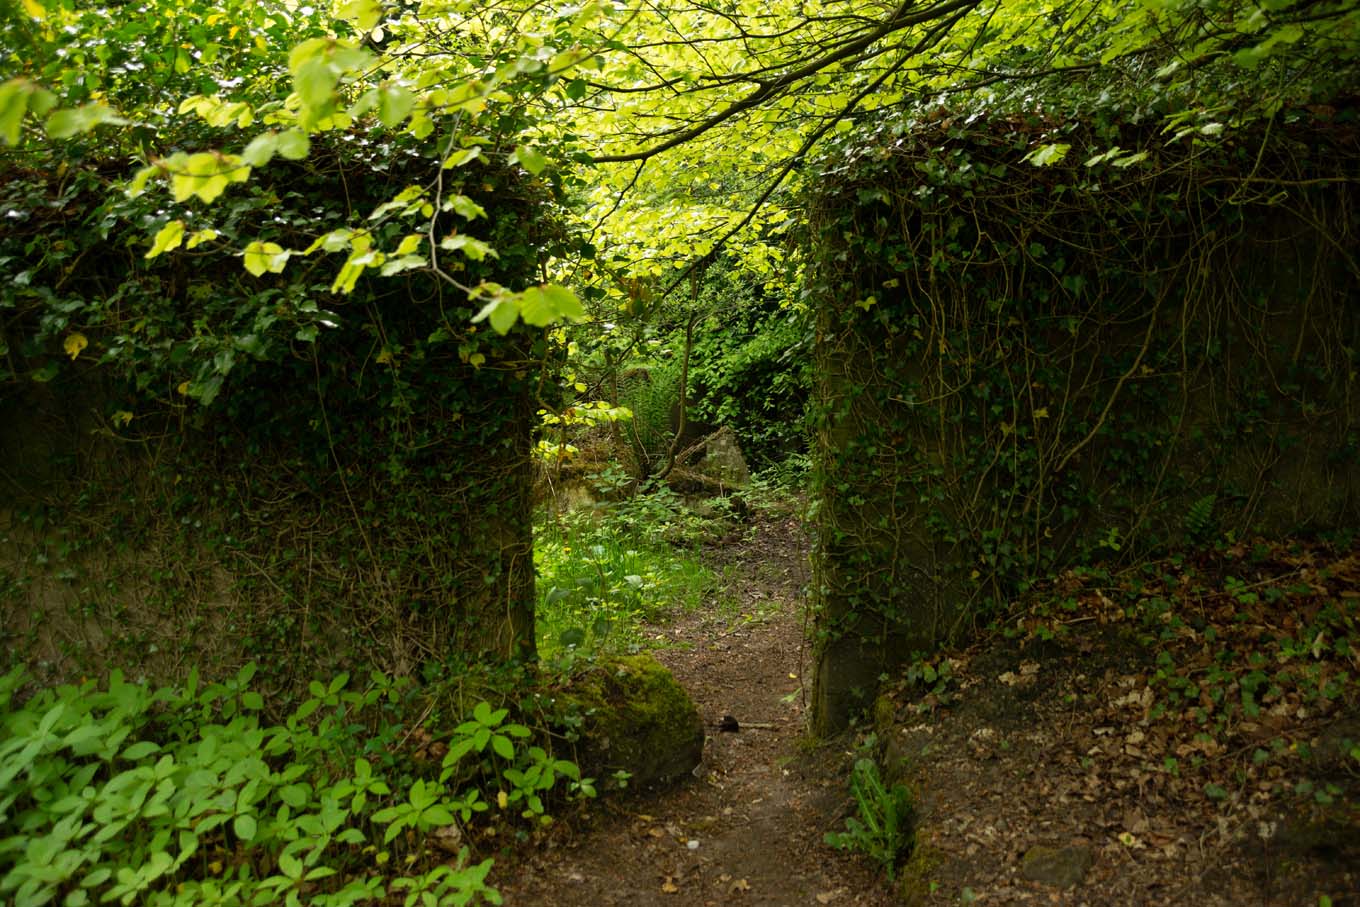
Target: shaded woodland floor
point(748, 827)
point(1041, 772)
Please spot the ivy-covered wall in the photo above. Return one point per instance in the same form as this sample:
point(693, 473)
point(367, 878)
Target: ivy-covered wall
point(1027, 360)
point(201, 466)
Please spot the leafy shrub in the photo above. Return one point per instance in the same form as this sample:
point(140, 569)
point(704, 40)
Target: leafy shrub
point(751, 370)
point(186, 796)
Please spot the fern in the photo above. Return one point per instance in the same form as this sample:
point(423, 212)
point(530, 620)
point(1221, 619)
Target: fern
point(1199, 518)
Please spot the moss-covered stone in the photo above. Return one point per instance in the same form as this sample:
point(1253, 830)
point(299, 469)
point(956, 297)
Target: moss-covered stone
point(638, 719)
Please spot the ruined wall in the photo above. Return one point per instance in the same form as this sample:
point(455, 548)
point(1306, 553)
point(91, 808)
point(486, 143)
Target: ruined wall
point(1022, 367)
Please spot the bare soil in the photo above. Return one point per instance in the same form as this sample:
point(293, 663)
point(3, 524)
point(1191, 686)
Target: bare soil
point(1030, 743)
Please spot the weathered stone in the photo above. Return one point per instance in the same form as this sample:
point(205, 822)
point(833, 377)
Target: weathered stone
point(1061, 867)
point(723, 460)
point(638, 719)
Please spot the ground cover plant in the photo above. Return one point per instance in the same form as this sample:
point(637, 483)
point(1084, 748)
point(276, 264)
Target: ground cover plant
point(608, 569)
point(120, 792)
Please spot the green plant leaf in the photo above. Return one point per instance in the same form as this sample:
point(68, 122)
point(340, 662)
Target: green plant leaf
point(261, 257)
point(244, 827)
point(531, 159)
point(168, 237)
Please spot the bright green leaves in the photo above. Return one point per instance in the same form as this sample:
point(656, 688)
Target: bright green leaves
point(18, 97)
point(169, 237)
point(393, 102)
point(265, 257)
point(549, 304)
point(292, 145)
point(204, 175)
point(318, 65)
point(462, 156)
point(172, 236)
point(461, 204)
point(217, 112)
point(529, 158)
point(1048, 155)
point(366, 14)
point(62, 124)
point(537, 306)
point(473, 248)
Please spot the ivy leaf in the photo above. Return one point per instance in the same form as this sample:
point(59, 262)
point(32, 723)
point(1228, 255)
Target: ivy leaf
point(168, 237)
point(1048, 155)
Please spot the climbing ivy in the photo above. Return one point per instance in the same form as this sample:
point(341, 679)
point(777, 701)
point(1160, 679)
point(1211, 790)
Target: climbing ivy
point(1028, 359)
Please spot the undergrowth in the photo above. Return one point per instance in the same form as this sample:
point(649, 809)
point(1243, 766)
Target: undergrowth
point(178, 796)
point(605, 570)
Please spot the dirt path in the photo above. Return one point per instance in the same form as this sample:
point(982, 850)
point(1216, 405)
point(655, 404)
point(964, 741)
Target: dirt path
point(749, 828)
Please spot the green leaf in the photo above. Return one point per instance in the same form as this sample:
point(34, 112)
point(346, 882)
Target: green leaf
point(530, 159)
point(13, 106)
point(199, 237)
point(62, 124)
point(437, 816)
point(1048, 155)
point(542, 306)
point(265, 256)
point(140, 750)
point(261, 149)
point(465, 206)
point(503, 747)
point(294, 145)
point(364, 13)
point(245, 826)
point(290, 866)
point(168, 237)
point(459, 158)
point(315, 82)
point(394, 104)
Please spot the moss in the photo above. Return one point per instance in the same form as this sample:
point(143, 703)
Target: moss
point(914, 883)
point(638, 719)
